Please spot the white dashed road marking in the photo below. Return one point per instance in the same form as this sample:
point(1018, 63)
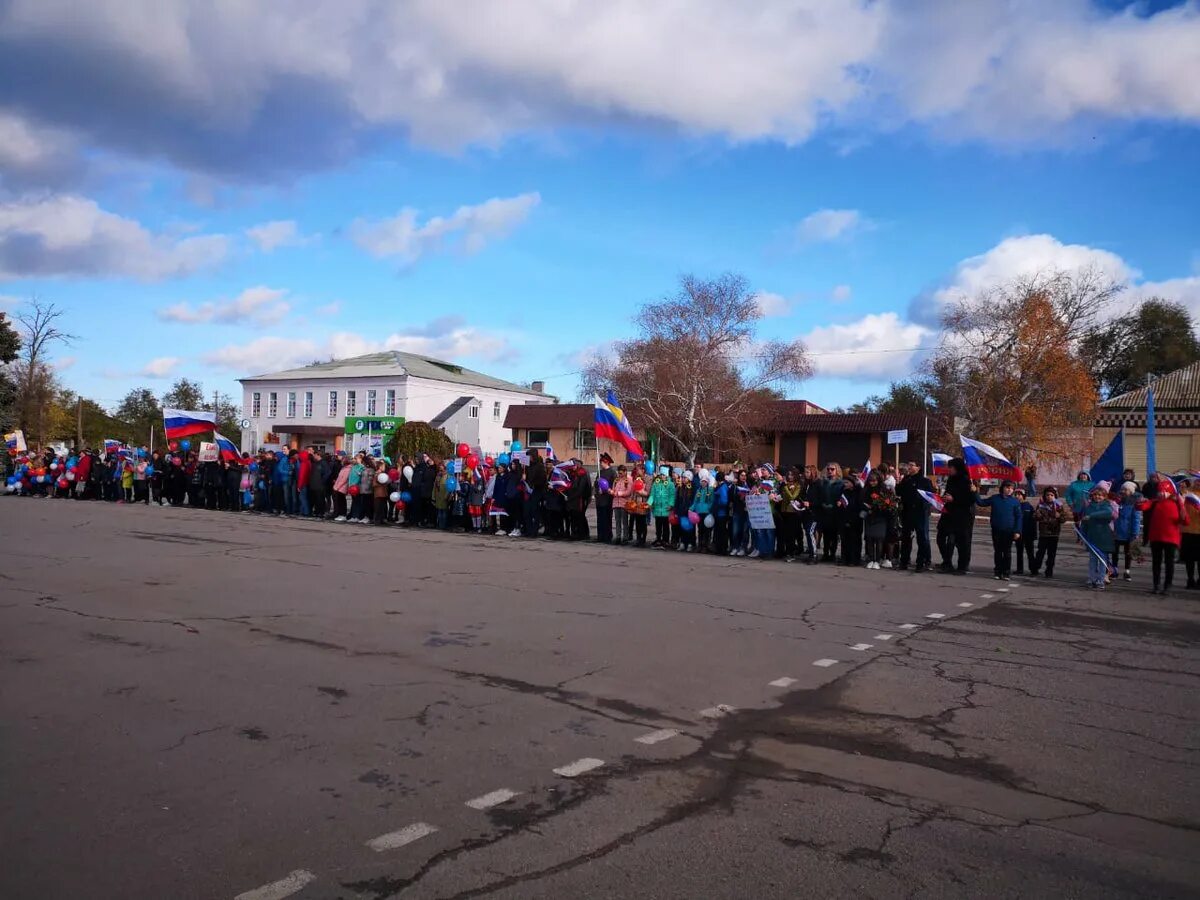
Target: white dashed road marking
point(495, 798)
point(406, 835)
point(654, 737)
point(987, 596)
point(884, 637)
point(1001, 590)
point(861, 646)
point(717, 712)
point(825, 663)
point(284, 887)
point(910, 626)
point(784, 682)
point(570, 770)
point(966, 605)
point(936, 616)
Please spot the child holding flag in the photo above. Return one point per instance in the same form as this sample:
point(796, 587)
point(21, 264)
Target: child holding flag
point(1095, 526)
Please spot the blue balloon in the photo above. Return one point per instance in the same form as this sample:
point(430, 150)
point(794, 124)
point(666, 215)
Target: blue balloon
point(185, 445)
point(406, 496)
point(253, 467)
point(686, 523)
point(451, 483)
point(149, 470)
point(517, 446)
point(504, 459)
point(262, 485)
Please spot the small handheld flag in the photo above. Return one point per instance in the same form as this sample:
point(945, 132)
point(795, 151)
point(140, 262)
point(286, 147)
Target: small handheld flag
point(866, 470)
point(15, 440)
point(226, 447)
point(1099, 554)
point(932, 499)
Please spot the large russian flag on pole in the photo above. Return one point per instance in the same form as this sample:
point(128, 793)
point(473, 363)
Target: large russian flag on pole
point(181, 423)
point(984, 461)
point(612, 424)
point(226, 447)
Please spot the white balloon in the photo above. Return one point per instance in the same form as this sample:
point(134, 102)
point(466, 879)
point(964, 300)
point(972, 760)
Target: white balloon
point(70, 476)
point(11, 488)
point(395, 497)
point(709, 521)
point(408, 472)
point(382, 478)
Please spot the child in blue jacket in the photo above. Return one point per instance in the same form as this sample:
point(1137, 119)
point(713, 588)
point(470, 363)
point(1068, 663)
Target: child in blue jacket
point(1006, 527)
point(1127, 526)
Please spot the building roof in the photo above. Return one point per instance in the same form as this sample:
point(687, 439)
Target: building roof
point(550, 415)
point(1178, 390)
point(785, 417)
point(396, 363)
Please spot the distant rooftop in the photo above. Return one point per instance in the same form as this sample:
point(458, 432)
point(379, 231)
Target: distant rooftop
point(1178, 390)
point(397, 363)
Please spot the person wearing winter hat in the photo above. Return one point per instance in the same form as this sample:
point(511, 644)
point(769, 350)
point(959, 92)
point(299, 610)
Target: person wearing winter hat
point(1127, 526)
point(1025, 545)
point(1163, 515)
point(604, 499)
point(1095, 521)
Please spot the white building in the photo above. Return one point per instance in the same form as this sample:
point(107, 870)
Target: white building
point(353, 403)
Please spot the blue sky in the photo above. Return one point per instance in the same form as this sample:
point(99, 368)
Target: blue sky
point(241, 192)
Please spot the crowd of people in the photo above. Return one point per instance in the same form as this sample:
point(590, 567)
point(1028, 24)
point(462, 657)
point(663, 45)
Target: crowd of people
point(879, 518)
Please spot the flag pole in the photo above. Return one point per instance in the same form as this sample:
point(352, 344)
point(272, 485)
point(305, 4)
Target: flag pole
point(925, 457)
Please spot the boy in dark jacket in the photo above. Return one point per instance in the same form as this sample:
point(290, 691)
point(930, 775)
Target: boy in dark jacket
point(1028, 533)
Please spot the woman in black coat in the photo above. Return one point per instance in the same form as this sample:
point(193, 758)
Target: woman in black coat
point(958, 518)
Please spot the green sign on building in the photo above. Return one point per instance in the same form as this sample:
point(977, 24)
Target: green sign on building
point(373, 424)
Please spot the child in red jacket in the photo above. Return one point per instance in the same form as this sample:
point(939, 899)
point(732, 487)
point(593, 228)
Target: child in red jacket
point(1162, 517)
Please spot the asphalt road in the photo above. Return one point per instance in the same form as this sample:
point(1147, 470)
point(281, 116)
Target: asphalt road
point(204, 705)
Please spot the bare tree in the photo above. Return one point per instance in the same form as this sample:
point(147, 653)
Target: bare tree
point(696, 375)
point(36, 382)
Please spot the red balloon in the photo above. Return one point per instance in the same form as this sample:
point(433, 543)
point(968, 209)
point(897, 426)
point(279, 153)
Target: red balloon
point(639, 485)
point(400, 504)
point(354, 490)
point(173, 446)
point(489, 462)
point(463, 451)
point(393, 474)
point(62, 482)
point(472, 461)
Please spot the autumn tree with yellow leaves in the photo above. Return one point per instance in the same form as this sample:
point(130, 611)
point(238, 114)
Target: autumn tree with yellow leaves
point(1010, 361)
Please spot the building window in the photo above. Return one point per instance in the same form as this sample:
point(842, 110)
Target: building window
point(496, 410)
point(535, 438)
point(333, 404)
point(389, 402)
point(585, 439)
point(308, 404)
point(272, 404)
point(291, 405)
point(472, 411)
point(370, 403)
point(256, 405)
point(351, 403)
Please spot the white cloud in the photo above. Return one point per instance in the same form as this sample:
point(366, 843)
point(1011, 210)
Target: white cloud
point(259, 305)
point(329, 309)
point(70, 236)
point(830, 225)
point(9, 302)
point(448, 337)
point(219, 97)
point(874, 348)
point(160, 367)
point(469, 227)
point(279, 233)
point(1014, 258)
point(772, 305)
point(841, 293)
point(30, 154)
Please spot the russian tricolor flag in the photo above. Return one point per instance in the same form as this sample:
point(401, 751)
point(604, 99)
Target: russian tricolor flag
point(181, 423)
point(932, 499)
point(941, 465)
point(226, 447)
point(612, 424)
point(984, 461)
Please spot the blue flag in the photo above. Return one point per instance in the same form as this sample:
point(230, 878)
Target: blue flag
point(1111, 464)
point(1151, 453)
